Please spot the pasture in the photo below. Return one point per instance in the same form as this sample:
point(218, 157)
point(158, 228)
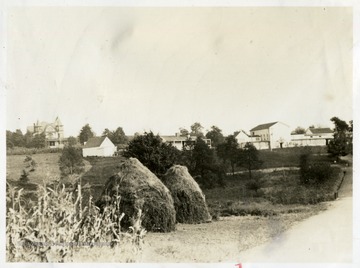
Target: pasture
point(242, 217)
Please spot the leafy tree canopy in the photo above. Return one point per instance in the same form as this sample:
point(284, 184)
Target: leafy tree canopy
point(152, 152)
point(299, 130)
point(85, 134)
point(216, 136)
point(342, 143)
point(197, 130)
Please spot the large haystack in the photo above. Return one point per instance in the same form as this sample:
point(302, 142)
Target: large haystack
point(140, 188)
point(188, 198)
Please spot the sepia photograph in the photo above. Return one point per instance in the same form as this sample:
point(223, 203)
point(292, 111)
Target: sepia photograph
point(197, 133)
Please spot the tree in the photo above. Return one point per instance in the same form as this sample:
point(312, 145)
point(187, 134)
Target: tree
point(17, 138)
point(85, 134)
point(250, 158)
point(118, 136)
point(299, 130)
point(197, 130)
point(342, 143)
point(107, 133)
point(152, 152)
point(72, 141)
point(38, 141)
point(9, 141)
point(184, 132)
point(229, 151)
point(215, 135)
point(202, 157)
point(28, 138)
point(71, 161)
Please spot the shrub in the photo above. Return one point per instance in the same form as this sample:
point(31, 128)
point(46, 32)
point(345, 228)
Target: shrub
point(254, 185)
point(24, 176)
point(71, 161)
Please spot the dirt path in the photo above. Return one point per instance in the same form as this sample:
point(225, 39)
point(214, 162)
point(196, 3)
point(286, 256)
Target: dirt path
point(326, 237)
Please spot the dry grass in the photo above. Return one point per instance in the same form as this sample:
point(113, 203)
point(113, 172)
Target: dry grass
point(140, 188)
point(58, 229)
point(219, 241)
point(47, 168)
point(189, 200)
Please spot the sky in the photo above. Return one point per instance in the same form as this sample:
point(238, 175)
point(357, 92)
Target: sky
point(161, 69)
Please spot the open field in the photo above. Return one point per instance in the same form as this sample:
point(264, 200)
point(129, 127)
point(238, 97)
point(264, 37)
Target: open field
point(47, 168)
point(219, 241)
point(289, 157)
point(243, 218)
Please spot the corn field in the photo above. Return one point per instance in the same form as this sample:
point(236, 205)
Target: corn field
point(59, 228)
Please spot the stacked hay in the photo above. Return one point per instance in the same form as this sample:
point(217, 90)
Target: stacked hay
point(188, 198)
point(139, 188)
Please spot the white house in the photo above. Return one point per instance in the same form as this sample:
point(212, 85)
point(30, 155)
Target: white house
point(313, 137)
point(242, 138)
point(99, 146)
point(275, 134)
point(179, 141)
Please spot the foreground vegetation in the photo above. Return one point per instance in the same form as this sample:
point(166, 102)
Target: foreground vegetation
point(268, 204)
point(58, 229)
point(278, 192)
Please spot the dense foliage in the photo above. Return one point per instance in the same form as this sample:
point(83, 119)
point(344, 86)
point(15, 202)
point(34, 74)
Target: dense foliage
point(85, 134)
point(71, 161)
point(18, 139)
point(342, 143)
point(152, 152)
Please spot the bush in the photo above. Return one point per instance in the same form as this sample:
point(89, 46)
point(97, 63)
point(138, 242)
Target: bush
point(152, 152)
point(210, 180)
point(254, 185)
point(24, 176)
point(71, 161)
point(313, 172)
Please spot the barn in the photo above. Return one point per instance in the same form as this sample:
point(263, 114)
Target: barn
point(99, 146)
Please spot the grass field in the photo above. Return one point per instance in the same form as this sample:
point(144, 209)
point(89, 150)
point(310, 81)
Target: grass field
point(289, 157)
point(47, 168)
point(251, 217)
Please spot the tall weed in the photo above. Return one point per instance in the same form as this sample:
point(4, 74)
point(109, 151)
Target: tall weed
point(59, 228)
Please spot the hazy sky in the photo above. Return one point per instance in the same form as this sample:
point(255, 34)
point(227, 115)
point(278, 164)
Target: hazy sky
point(166, 68)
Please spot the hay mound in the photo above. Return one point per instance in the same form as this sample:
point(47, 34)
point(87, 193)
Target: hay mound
point(139, 188)
point(188, 198)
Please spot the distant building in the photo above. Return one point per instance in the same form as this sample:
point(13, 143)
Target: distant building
point(54, 132)
point(99, 146)
point(271, 135)
point(242, 138)
point(313, 137)
point(179, 141)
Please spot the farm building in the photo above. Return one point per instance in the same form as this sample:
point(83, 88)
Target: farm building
point(313, 137)
point(99, 146)
point(242, 138)
point(275, 135)
point(54, 132)
point(179, 141)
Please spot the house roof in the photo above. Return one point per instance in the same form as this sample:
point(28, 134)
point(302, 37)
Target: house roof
point(241, 131)
point(263, 126)
point(320, 130)
point(94, 142)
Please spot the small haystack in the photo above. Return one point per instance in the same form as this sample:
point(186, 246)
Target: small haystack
point(139, 188)
point(188, 198)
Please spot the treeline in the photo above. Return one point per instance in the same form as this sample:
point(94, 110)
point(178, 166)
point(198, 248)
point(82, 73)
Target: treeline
point(27, 140)
point(208, 165)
